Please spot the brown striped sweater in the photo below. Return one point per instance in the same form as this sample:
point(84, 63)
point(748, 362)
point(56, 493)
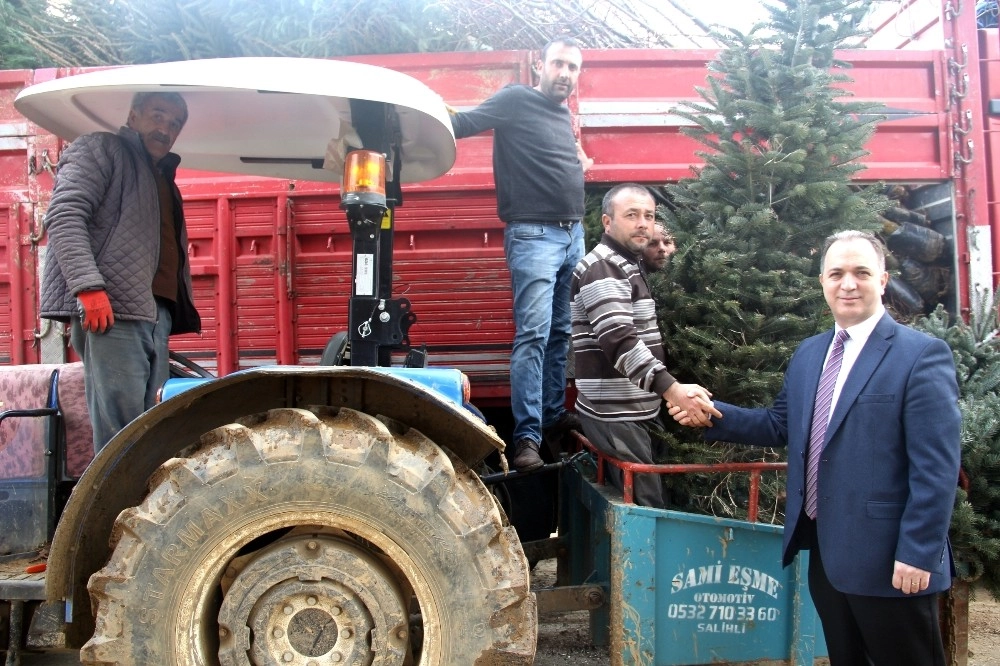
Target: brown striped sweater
point(620, 361)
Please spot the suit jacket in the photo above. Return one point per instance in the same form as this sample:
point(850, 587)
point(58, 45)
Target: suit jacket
point(889, 469)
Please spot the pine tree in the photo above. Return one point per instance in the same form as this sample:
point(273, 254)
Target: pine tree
point(74, 33)
point(15, 51)
point(975, 524)
point(781, 141)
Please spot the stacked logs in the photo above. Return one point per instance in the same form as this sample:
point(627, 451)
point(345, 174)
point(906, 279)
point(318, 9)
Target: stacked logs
point(918, 229)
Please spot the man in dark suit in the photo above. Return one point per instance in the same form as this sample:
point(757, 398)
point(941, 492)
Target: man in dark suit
point(884, 429)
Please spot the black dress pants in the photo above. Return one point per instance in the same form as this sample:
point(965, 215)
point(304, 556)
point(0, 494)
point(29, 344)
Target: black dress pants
point(875, 631)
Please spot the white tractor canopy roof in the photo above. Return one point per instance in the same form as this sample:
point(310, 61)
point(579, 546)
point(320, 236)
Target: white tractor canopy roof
point(279, 117)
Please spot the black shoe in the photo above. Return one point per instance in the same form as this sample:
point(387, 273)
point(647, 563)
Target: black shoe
point(526, 456)
point(554, 435)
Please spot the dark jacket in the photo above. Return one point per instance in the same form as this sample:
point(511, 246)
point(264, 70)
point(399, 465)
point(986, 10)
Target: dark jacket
point(536, 169)
point(889, 468)
point(103, 227)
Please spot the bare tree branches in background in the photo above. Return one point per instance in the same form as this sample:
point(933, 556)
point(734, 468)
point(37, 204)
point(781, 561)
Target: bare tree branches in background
point(520, 24)
point(74, 33)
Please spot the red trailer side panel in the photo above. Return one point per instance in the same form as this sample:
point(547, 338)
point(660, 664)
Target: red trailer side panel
point(271, 258)
point(17, 208)
point(989, 45)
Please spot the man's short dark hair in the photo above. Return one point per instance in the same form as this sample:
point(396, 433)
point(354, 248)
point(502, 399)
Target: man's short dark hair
point(140, 98)
point(849, 235)
point(565, 41)
point(607, 205)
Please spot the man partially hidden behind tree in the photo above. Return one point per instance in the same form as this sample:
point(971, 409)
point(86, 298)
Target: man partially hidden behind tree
point(661, 246)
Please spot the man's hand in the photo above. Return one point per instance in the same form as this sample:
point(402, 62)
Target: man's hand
point(695, 401)
point(679, 415)
point(908, 579)
point(95, 311)
point(587, 162)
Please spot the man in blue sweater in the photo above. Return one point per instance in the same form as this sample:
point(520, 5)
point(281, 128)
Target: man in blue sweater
point(538, 170)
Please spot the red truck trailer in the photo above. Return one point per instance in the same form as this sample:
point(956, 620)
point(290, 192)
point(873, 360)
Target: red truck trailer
point(271, 258)
point(272, 264)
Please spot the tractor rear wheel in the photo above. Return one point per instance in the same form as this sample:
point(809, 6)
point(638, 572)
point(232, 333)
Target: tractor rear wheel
point(314, 537)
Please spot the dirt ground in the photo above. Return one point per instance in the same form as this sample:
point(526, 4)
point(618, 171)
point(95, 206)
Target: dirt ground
point(984, 630)
point(563, 637)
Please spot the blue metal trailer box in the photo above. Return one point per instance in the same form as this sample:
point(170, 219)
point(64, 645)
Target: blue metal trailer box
point(685, 588)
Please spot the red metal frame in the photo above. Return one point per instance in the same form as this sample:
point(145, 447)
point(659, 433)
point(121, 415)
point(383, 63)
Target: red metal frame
point(907, 24)
point(989, 47)
point(630, 469)
point(281, 301)
point(967, 121)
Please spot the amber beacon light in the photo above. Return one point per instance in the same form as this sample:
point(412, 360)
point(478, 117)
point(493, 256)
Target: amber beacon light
point(364, 179)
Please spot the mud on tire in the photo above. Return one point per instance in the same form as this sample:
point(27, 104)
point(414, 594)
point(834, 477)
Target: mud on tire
point(317, 537)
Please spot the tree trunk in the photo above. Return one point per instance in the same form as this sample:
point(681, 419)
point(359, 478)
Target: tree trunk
point(954, 608)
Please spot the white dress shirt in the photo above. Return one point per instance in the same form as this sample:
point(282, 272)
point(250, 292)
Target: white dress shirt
point(859, 334)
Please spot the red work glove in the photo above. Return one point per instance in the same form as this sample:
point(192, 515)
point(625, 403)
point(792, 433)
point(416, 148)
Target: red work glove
point(95, 311)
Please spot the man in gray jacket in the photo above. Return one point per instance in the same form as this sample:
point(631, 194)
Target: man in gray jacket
point(116, 266)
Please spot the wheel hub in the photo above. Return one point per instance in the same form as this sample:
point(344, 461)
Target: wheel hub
point(312, 601)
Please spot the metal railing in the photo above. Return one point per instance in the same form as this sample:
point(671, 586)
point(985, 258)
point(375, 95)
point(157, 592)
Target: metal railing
point(630, 469)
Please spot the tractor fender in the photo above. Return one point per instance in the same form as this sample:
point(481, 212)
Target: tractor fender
point(117, 478)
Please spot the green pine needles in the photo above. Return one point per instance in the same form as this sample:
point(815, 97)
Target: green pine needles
point(781, 143)
point(781, 140)
point(975, 525)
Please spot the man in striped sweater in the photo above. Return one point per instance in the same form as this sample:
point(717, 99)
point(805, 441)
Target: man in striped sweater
point(621, 375)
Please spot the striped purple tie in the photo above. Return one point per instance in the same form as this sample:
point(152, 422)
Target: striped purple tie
point(821, 418)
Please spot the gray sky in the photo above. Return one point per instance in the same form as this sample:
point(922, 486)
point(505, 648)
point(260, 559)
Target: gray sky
point(734, 13)
point(914, 25)
point(671, 21)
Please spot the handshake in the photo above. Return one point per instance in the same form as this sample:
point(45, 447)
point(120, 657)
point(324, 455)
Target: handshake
point(691, 405)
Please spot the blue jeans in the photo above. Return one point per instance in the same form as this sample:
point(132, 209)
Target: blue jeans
point(123, 368)
point(541, 259)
